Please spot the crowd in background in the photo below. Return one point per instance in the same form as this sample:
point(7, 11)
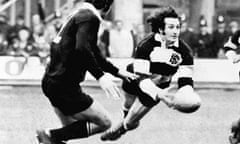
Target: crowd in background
point(115, 39)
point(119, 41)
point(20, 40)
point(207, 44)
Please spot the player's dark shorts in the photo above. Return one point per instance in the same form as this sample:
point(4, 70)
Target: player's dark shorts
point(134, 89)
point(69, 99)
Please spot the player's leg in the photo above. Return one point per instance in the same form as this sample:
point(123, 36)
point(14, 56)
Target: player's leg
point(136, 113)
point(141, 105)
point(127, 103)
point(80, 114)
point(147, 98)
point(97, 116)
point(93, 120)
point(65, 120)
point(130, 89)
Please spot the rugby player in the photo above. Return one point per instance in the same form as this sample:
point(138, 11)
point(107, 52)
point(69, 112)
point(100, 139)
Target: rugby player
point(158, 57)
point(73, 52)
point(230, 48)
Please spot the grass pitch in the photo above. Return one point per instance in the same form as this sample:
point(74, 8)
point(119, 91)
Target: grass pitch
point(25, 109)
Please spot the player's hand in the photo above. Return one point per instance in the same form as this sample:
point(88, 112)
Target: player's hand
point(109, 87)
point(125, 75)
point(165, 96)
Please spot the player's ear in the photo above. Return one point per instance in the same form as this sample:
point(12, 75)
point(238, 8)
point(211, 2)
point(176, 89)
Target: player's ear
point(161, 31)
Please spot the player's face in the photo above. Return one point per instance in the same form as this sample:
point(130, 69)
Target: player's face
point(172, 29)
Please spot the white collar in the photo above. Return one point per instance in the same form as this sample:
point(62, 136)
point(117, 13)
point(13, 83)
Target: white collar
point(158, 37)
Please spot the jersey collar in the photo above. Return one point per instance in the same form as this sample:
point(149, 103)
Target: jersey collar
point(158, 38)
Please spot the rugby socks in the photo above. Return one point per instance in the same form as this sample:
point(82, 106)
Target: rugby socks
point(75, 130)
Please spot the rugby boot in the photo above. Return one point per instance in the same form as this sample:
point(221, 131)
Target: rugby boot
point(114, 133)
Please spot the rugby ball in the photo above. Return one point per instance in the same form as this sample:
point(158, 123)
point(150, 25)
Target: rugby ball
point(186, 100)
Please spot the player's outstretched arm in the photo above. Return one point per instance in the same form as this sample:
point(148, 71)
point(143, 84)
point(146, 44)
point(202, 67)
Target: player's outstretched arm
point(186, 99)
point(125, 75)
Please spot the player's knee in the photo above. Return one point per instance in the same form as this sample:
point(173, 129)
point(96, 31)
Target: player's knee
point(129, 100)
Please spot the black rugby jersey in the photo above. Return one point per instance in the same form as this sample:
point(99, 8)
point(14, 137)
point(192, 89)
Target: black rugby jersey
point(74, 50)
point(147, 45)
point(233, 42)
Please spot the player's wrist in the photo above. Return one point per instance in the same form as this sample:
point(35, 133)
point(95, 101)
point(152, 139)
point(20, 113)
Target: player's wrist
point(184, 81)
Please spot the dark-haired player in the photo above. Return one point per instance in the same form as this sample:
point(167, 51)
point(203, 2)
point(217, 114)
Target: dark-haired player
point(73, 52)
point(230, 48)
point(158, 57)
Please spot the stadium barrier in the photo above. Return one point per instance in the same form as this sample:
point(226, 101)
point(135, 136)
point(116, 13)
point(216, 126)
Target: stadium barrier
point(18, 71)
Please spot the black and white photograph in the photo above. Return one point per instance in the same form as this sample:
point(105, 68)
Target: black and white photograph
point(119, 72)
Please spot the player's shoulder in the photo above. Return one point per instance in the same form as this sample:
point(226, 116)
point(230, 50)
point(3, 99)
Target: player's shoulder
point(84, 15)
point(144, 47)
point(186, 53)
point(86, 12)
point(184, 46)
point(148, 39)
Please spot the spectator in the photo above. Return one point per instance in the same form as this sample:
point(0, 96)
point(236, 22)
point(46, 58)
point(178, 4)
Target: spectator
point(36, 20)
point(233, 27)
point(103, 42)
point(187, 33)
point(57, 23)
point(38, 33)
point(121, 41)
point(18, 26)
point(220, 36)
point(3, 45)
point(26, 43)
point(40, 43)
point(4, 26)
point(50, 31)
point(138, 34)
point(203, 40)
point(17, 51)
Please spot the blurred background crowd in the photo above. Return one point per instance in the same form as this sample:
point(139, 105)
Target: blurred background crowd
point(26, 33)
